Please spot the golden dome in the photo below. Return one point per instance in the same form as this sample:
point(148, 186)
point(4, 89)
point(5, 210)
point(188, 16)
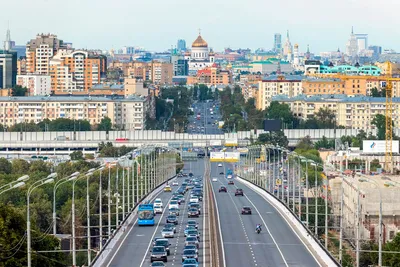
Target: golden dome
point(296, 46)
point(199, 42)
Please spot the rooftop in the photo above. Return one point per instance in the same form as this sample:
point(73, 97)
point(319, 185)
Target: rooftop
point(335, 98)
point(69, 99)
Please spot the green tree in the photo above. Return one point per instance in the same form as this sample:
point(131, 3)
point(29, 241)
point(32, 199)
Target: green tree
point(105, 124)
point(378, 93)
point(325, 143)
point(305, 143)
point(18, 90)
point(326, 118)
point(5, 166)
point(20, 167)
point(76, 155)
point(380, 123)
point(277, 137)
point(281, 112)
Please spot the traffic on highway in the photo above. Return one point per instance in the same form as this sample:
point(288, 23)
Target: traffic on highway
point(205, 119)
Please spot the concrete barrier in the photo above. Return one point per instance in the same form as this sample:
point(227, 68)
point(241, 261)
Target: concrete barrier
point(319, 252)
point(101, 259)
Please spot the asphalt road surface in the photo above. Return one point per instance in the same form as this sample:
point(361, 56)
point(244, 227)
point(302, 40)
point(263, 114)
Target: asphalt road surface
point(207, 123)
point(276, 245)
point(135, 250)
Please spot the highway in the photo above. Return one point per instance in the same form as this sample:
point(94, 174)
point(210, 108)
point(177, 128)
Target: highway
point(135, 249)
point(276, 245)
point(206, 120)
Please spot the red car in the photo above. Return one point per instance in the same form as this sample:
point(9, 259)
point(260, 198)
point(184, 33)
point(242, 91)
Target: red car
point(231, 182)
point(246, 210)
point(222, 189)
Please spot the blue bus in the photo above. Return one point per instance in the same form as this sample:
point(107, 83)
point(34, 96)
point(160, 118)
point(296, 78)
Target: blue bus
point(229, 172)
point(146, 214)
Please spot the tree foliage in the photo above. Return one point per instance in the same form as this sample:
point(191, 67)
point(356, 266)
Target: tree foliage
point(105, 124)
point(275, 138)
point(18, 90)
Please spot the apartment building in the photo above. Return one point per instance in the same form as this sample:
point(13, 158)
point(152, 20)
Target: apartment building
point(35, 83)
point(127, 113)
point(21, 66)
point(157, 72)
point(39, 51)
point(76, 70)
point(351, 112)
point(350, 85)
point(211, 76)
point(268, 87)
point(161, 72)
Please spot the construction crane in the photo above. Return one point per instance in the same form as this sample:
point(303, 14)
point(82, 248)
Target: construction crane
point(389, 121)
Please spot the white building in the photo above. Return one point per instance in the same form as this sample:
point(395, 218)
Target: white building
point(37, 84)
point(200, 56)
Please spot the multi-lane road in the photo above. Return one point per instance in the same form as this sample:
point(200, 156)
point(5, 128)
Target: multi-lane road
point(136, 246)
point(276, 245)
point(206, 124)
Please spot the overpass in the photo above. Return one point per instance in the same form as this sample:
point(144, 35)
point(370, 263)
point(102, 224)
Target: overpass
point(63, 143)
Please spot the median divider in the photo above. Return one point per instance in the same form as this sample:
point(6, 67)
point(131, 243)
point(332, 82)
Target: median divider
point(320, 253)
point(102, 257)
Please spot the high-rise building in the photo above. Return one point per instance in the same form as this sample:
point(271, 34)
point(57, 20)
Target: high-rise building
point(287, 48)
point(278, 43)
point(76, 71)
point(39, 51)
point(128, 50)
point(8, 44)
point(181, 45)
point(362, 41)
point(377, 50)
point(352, 45)
point(8, 68)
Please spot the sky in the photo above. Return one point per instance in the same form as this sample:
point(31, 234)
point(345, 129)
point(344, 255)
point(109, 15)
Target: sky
point(157, 24)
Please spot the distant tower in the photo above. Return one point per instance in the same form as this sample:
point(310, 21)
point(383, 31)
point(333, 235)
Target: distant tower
point(8, 42)
point(308, 54)
point(278, 69)
point(278, 43)
point(288, 46)
point(289, 55)
point(296, 60)
point(181, 45)
point(352, 45)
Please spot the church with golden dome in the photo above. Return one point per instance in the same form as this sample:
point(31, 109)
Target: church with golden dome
point(200, 56)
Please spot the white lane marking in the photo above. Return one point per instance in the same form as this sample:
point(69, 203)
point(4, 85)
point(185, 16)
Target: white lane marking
point(287, 222)
point(123, 240)
point(204, 216)
point(219, 222)
point(266, 227)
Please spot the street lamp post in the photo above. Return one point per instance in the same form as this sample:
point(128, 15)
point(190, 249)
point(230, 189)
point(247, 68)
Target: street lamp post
point(101, 209)
point(47, 180)
point(306, 161)
point(15, 184)
point(316, 199)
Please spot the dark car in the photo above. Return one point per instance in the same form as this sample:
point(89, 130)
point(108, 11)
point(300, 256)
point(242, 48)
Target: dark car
point(172, 219)
point(239, 192)
point(158, 253)
point(221, 173)
point(231, 182)
point(189, 254)
point(246, 210)
point(158, 264)
point(222, 189)
point(163, 243)
point(193, 212)
point(192, 223)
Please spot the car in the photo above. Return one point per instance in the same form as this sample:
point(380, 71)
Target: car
point(172, 219)
point(195, 206)
point(192, 223)
point(158, 203)
point(246, 210)
point(191, 247)
point(158, 210)
point(190, 228)
point(167, 189)
point(239, 192)
point(158, 264)
point(167, 232)
point(181, 198)
point(193, 212)
point(170, 225)
point(173, 204)
point(231, 182)
point(157, 238)
point(164, 243)
point(158, 253)
point(193, 232)
point(192, 240)
point(214, 179)
point(219, 164)
point(221, 173)
point(190, 262)
point(174, 211)
point(175, 183)
point(194, 199)
point(189, 254)
point(222, 189)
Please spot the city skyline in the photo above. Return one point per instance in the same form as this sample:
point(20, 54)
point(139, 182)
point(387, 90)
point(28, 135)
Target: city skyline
point(106, 27)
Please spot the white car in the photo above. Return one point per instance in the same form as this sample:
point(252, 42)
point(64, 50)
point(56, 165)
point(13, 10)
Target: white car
point(194, 199)
point(229, 176)
point(158, 210)
point(219, 164)
point(158, 203)
point(173, 204)
point(214, 179)
point(175, 183)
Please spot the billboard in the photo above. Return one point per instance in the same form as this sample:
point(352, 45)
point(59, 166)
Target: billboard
point(379, 146)
point(215, 143)
point(224, 156)
point(272, 125)
point(221, 124)
point(217, 156)
point(231, 142)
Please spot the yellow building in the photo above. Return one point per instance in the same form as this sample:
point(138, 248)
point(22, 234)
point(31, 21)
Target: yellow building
point(351, 112)
point(157, 72)
point(211, 76)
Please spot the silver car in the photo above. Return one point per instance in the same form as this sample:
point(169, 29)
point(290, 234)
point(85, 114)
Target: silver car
point(174, 211)
point(167, 233)
point(192, 240)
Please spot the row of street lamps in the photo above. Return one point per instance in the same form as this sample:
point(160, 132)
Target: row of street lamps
point(154, 168)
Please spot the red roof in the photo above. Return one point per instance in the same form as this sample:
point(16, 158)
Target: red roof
point(203, 71)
